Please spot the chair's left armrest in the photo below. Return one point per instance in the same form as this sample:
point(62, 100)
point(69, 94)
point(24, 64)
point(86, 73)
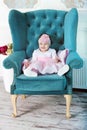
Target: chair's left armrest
point(15, 61)
point(74, 60)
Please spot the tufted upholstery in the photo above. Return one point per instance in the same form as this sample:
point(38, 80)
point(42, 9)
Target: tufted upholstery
point(51, 20)
point(26, 28)
point(30, 25)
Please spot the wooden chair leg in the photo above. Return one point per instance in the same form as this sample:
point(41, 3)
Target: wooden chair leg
point(68, 103)
point(14, 103)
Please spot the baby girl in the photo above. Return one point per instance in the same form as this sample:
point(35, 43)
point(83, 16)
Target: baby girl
point(45, 60)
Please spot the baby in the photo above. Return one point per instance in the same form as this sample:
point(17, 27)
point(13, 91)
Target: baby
point(44, 60)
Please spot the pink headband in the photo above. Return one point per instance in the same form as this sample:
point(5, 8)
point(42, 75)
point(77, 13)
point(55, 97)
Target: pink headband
point(44, 39)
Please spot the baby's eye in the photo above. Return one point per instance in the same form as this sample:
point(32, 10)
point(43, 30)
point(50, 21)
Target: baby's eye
point(40, 43)
point(46, 43)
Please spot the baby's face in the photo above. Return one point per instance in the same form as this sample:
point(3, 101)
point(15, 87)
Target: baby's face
point(43, 46)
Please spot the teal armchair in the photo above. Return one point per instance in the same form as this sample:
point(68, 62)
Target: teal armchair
point(26, 28)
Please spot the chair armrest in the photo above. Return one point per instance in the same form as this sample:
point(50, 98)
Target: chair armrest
point(15, 61)
point(74, 60)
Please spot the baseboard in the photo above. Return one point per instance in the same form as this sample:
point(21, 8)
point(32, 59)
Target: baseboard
point(79, 90)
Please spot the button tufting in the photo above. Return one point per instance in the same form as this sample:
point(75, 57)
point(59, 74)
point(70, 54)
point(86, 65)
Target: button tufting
point(44, 16)
point(38, 25)
point(28, 25)
point(33, 16)
point(61, 24)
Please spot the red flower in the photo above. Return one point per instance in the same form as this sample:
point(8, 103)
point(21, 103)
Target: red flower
point(3, 49)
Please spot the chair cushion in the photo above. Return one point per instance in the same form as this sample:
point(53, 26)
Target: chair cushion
point(51, 82)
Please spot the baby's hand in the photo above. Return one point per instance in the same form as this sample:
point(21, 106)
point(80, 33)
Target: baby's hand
point(26, 63)
point(57, 59)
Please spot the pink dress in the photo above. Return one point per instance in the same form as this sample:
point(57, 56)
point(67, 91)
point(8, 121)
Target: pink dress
point(43, 62)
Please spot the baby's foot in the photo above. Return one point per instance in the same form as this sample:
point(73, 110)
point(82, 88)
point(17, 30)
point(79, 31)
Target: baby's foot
point(30, 73)
point(63, 70)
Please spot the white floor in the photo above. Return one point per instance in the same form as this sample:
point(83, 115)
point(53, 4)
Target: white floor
point(43, 112)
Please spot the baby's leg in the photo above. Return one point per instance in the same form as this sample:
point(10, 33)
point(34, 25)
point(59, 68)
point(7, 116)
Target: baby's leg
point(63, 70)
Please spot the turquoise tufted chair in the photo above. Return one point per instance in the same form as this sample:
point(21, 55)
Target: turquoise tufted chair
point(26, 28)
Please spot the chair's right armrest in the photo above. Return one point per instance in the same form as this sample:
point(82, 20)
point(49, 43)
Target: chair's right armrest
point(15, 61)
point(74, 60)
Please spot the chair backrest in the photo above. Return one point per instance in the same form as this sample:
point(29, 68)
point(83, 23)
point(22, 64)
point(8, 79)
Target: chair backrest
point(27, 27)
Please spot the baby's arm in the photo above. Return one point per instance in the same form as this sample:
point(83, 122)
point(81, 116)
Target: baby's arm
point(55, 57)
point(27, 62)
point(35, 56)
